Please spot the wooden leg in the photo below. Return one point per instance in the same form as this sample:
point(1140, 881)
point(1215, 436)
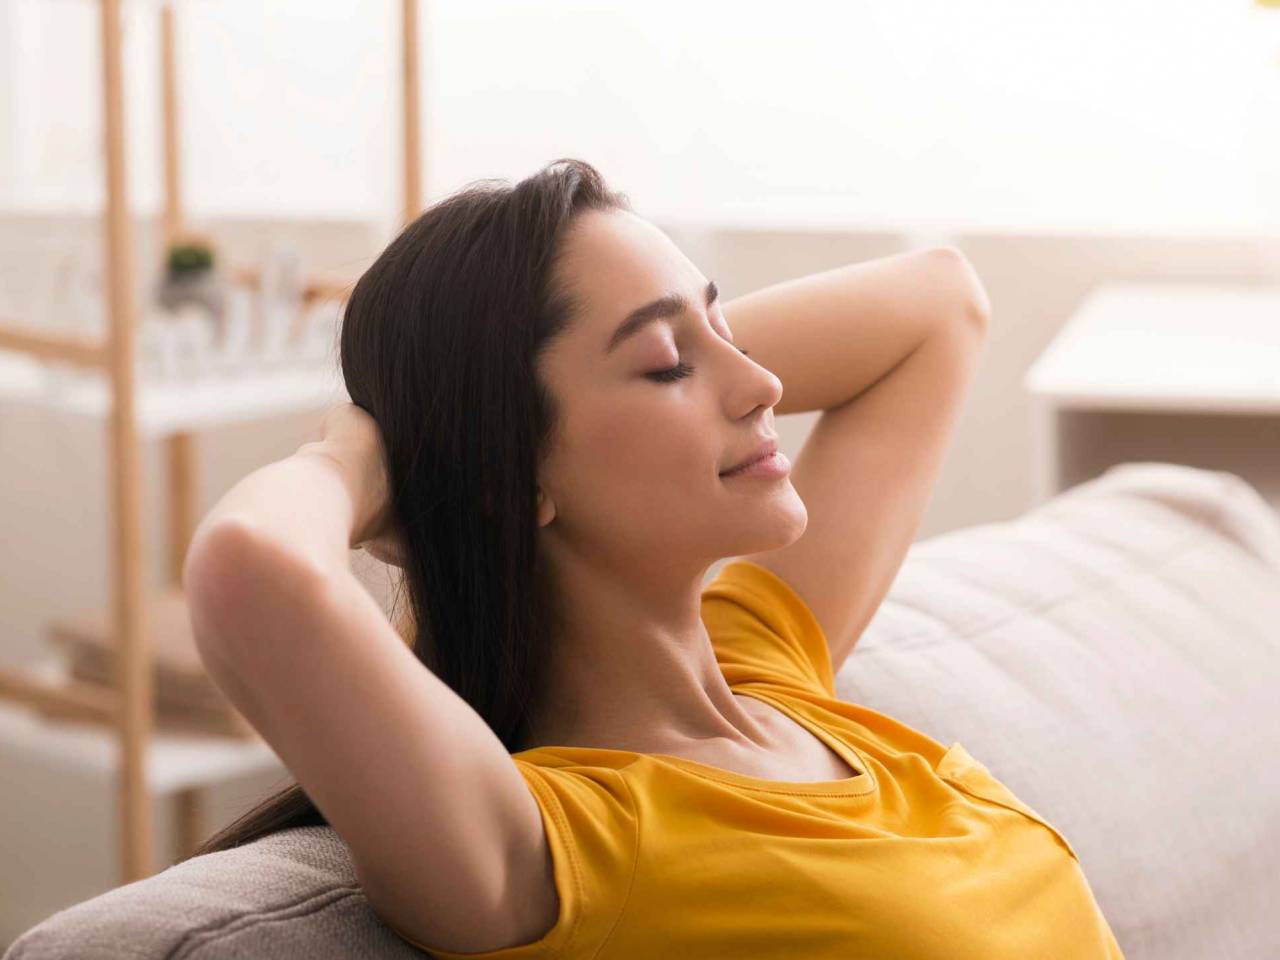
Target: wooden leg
point(183, 496)
point(189, 820)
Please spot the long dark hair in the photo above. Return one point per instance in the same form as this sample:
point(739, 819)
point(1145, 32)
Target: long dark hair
point(439, 342)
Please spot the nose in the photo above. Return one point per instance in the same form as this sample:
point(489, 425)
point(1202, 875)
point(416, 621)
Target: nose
point(758, 386)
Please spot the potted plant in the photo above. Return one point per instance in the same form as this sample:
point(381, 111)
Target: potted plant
point(191, 277)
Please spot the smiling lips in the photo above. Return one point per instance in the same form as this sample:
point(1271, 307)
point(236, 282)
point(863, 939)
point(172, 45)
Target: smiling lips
point(766, 449)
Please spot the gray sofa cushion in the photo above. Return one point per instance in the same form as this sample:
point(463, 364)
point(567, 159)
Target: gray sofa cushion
point(290, 894)
point(1112, 656)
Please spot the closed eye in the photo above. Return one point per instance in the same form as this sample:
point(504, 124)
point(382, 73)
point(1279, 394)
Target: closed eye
point(679, 371)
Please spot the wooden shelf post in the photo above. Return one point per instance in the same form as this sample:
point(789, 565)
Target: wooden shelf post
point(134, 675)
point(412, 117)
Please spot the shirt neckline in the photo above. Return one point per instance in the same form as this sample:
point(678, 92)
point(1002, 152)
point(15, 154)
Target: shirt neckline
point(863, 782)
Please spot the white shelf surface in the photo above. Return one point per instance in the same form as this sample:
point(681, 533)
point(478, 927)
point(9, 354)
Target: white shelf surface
point(174, 761)
point(168, 407)
point(1166, 347)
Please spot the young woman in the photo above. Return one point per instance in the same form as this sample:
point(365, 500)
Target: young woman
point(605, 757)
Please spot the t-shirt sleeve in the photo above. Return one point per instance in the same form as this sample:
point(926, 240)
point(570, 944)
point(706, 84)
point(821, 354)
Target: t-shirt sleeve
point(763, 631)
point(592, 831)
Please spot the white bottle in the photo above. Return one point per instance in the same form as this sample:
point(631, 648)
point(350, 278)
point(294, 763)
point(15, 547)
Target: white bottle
point(194, 335)
point(233, 352)
point(281, 301)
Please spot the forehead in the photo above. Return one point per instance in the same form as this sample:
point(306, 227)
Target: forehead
point(615, 261)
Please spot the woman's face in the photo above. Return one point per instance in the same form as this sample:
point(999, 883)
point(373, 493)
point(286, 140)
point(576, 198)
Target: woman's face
point(634, 474)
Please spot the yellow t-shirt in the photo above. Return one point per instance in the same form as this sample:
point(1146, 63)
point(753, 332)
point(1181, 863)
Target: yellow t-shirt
point(923, 855)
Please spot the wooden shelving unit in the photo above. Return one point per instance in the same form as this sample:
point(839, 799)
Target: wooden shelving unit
point(151, 762)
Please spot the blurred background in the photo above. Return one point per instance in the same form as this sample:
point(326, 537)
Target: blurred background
point(1110, 167)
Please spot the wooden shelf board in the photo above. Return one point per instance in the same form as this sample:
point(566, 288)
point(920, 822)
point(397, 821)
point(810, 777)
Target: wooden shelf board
point(174, 761)
point(169, 407)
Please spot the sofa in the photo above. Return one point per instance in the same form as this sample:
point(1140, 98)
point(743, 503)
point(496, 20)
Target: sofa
point(1112, 655)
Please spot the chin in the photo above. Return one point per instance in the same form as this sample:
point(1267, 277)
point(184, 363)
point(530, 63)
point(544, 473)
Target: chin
point(777, 526)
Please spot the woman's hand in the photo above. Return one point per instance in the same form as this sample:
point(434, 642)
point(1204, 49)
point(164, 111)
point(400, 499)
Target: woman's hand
point(351, 439)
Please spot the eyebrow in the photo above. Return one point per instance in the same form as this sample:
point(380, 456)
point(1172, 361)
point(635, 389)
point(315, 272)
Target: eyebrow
point(671, 305)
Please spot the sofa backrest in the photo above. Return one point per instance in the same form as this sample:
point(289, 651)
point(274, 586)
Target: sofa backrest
point(1113, 656)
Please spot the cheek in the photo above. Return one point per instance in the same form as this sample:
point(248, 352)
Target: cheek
point(648, 446)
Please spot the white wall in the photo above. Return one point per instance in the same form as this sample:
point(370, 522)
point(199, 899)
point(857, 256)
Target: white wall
point(1116, 114)
point(284, 106)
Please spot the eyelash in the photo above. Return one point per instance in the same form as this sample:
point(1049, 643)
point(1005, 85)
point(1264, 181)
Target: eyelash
point(679, 371)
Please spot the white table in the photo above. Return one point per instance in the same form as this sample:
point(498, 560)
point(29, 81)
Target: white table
point(1175, 372)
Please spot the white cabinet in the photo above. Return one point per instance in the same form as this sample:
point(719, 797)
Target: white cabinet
point(1176, 372)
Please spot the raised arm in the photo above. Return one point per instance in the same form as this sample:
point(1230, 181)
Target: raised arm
point(445, 835)
point(828, 336)
point(887, 350)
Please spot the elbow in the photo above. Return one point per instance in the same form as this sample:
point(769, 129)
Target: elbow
point(234, 582)
point(965, 289)
point(208, 570)
point(210, 593)
point(213, 575)
point(221, 564)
